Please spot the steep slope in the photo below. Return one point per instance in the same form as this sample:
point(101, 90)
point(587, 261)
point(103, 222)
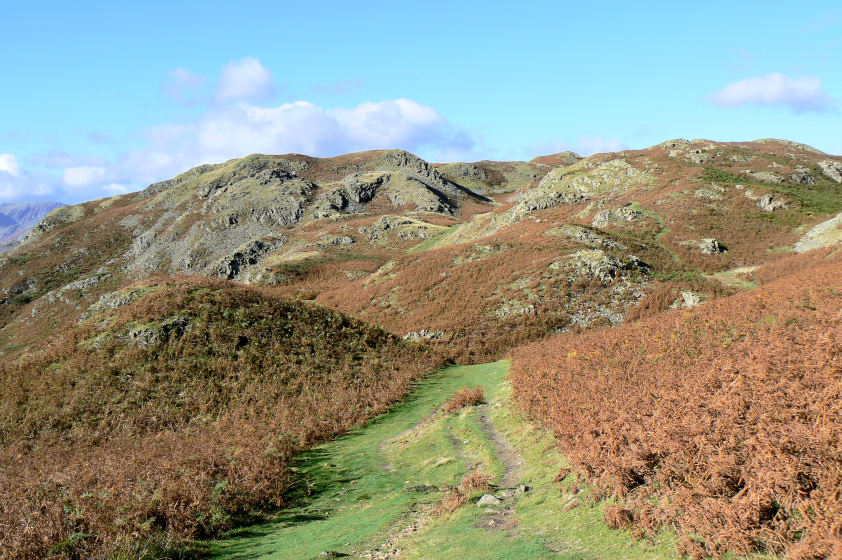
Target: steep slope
point(725, 425)
point(173, 411)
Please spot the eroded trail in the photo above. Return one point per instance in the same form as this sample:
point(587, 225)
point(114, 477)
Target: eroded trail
point(373, 493)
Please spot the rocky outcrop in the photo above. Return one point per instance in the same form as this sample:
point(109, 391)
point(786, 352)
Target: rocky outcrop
point(423, 334)
point(58, 217)
point(824, 234)
point(584, 236)
point(247, 255)
point(594, 264)
point(578, 183)
point(617, 216)
point(765, 176)
point(403, 226)
point(832, 168)
point(770, 203)
point(707, 246)
point(802, 176)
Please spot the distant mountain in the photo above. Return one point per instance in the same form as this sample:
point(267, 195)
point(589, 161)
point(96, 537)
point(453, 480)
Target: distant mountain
point(17, 218)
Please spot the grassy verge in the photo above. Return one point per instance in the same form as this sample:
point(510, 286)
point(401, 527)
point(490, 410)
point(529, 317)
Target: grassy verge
point(433, 241)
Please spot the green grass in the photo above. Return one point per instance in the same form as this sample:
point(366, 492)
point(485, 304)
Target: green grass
point(346, 498)
point(545, 529)
point(432, 242)
point(825, 197)
point(352, 492)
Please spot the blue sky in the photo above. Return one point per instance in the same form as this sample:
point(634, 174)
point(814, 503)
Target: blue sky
point(99, 98)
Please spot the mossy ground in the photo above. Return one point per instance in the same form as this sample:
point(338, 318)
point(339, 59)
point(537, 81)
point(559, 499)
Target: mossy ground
point(354, 491)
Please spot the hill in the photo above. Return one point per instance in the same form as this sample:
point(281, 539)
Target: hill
point(173, 410)
point(414, 248)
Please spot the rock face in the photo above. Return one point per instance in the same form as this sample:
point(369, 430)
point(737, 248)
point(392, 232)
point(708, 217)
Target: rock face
point(595, 264)
point(423, 334)
point(771, 203)
point(494, 177)
point(822, 235)
point(832, 168)
point(802, 176)
point(707, 246)
point(578, 183)
point(222, 220)
point(617, 216)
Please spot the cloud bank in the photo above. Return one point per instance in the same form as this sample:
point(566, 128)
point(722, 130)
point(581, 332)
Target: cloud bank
point(237, 119)
point(800, 95)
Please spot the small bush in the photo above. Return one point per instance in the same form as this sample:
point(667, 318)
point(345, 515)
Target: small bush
point(469, 396)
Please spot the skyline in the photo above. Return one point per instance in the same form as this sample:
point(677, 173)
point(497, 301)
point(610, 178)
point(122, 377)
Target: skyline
point(102, 99)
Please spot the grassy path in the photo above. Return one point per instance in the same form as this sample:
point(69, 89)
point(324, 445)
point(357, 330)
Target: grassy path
point(370, 494)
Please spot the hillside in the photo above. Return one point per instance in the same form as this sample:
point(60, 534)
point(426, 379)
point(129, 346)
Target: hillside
point(16, 219)
point(559, 243)
point(724, 425)
point(173, 411)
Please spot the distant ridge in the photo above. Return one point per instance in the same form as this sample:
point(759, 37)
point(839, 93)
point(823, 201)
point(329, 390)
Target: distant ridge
point(17, 218)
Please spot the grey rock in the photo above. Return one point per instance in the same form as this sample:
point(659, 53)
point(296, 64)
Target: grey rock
point(489, 500)
point(802, 176)
point(710, 192)
point(832, 168)
point(708, 245)
point(423, 334)
point(245, 256)
point(152, 334)
point(822, 235)
point(687, 300)
point(765, 176)
point(770, 203)
point(617, 216)
point(585, 236)
point(512, 308)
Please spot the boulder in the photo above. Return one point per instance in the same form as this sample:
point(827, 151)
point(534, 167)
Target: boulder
point(708, 245)
point(489, 500)
point(771, 203)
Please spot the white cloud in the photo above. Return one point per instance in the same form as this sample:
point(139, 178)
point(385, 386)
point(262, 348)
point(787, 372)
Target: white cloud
point(235, 126)
point(246, 79)
point(83, 176)
point(301, 127)
point(9, 164)
point(798, 94)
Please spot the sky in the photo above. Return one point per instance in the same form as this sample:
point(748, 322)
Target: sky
point(102, 98)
